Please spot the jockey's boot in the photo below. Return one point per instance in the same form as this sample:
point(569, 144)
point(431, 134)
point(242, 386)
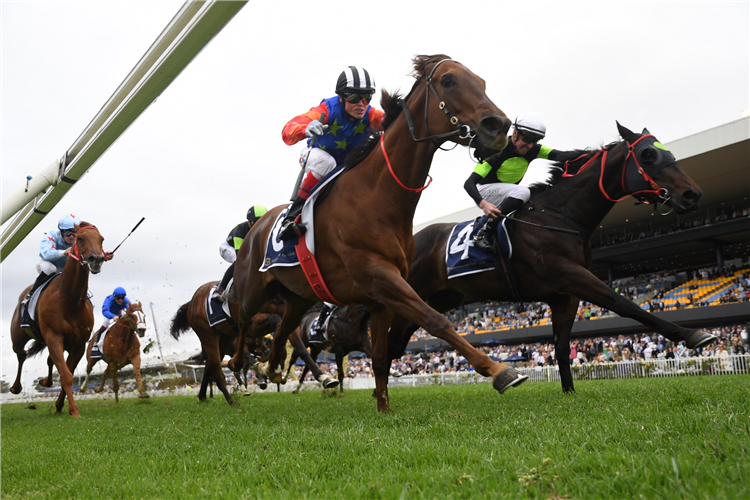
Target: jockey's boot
point(220, 293)
point(290, 228)
point(95, 338)
point(37, 283)
point(319, 332)
point(485, 238)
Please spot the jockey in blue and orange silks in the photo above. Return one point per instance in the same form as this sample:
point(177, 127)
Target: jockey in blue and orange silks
point(340, 124)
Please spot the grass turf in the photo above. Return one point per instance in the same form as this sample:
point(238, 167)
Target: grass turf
point(644, 438)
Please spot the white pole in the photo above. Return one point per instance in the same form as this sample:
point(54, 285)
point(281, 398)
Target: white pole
point(158, 341)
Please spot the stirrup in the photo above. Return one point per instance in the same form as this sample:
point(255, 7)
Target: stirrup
point(317, 338)
point(25, 301)
point(485, 242)
point(219, 294)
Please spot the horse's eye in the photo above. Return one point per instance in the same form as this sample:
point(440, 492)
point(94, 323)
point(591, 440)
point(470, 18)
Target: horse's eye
point(447, 81)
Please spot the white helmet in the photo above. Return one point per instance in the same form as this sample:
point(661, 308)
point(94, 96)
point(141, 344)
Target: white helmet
point(532, 122)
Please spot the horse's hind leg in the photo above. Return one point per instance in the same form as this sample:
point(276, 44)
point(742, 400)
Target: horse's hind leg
point(20, 339)
point(309, 358)
point(563, 316)
point(340, 370)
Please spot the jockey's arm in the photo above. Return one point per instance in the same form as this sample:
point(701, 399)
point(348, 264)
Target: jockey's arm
point(294, 130)
point(106, 305)
point(227, 252)
point(49, 251)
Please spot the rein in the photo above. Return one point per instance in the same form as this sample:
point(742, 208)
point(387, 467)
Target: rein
point(76, 255)
point(463, 131)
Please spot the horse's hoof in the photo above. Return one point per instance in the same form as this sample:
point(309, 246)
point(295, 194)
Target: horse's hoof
point(328, 382)
point(699, 338)
point(15, 390)
point(245, 391)
point(144, 395)
point(510, 377)
point(261, 369)
point(276, 378)
point(262, 383)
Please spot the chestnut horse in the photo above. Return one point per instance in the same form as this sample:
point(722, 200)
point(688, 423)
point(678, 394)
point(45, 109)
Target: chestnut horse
point(121, 347)
point(551, 266)
point(64, 315)
point(347, 331)
point(217, 341)
point(363, 229)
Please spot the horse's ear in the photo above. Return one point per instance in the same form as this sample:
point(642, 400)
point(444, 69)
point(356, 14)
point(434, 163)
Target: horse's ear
point(645, 131)
point(625, 133)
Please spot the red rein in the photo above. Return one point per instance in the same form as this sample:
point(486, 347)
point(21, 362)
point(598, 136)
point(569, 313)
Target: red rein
point(75, 253)
point(393, 174)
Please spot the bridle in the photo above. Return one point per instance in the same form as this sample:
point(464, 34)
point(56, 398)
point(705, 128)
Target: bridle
point(633, 171)
point(134, 326)
point(75, 253)
point(463, 131)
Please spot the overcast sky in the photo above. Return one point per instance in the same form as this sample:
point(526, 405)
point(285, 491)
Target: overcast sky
point(210, 146)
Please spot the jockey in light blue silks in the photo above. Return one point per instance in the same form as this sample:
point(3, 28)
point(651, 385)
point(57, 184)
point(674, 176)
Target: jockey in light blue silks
point(53, 251)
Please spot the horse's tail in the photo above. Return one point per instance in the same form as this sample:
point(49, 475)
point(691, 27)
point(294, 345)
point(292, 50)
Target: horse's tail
point(36, 348)
point(180, 321)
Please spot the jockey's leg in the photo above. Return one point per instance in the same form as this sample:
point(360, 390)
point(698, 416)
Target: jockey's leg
point(219, 293)
point(319, 334)
point(45, 269)
point(507, 198)
point(319, 163)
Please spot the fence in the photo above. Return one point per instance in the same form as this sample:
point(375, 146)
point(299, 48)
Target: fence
point(678, 367)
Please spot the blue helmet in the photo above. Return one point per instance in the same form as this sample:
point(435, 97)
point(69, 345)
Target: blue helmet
point(68, 222)
point(120, 291)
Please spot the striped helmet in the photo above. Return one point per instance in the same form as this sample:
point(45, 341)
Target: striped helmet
point(255, 212)
point(355, 80)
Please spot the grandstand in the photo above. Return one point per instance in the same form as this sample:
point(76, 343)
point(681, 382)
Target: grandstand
point(690, 266)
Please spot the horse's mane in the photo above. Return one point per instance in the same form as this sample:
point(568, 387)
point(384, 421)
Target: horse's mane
point(576, 159)
point(391, 104)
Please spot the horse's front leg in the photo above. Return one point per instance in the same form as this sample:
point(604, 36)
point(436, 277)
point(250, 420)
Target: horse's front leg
point(136, 362)
point(115, 382)
point(310, 357)
point(47, 382)
point(105, 374)
point(387, 287)
point(65, 369)
point(563, 317)
point(293, 313)
point(581, 283)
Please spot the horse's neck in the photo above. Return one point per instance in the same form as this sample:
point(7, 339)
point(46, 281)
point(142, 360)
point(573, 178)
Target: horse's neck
point(75, 279)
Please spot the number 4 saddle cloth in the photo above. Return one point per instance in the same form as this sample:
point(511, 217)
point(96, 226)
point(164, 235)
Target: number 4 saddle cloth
point(462, 257)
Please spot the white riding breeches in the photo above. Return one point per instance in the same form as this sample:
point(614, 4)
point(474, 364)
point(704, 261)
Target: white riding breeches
point(227, 252)
point(46, 267)
point(319, 162)
point(495, 193)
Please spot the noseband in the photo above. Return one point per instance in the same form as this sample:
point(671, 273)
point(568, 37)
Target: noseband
point(76, 253)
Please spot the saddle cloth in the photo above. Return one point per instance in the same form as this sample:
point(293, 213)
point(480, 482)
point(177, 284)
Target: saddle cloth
point(28, 314)
point(282, 253)
point(462, 257)
point(217, 311)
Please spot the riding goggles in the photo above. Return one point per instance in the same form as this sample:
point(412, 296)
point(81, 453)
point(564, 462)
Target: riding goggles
point(355, 98)
point(68, 233)
point(119, 297)
point(528, 137)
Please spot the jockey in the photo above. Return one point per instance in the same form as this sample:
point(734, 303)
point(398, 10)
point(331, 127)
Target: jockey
point(53, 250)
point(229, 248)
point(494, 183)
point(340, 123)
point(114, 306)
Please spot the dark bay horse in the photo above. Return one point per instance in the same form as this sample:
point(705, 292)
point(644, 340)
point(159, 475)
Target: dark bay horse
point(64, 315)
point(121, 348)
point(217, 341)
point(347, 331)
point(363, 229)
point(553, 267)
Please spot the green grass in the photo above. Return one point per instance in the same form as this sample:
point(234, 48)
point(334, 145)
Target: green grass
point(647, 438)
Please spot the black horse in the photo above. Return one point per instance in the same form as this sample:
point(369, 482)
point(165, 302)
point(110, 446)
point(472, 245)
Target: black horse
point(347, 331)
point(553, 266)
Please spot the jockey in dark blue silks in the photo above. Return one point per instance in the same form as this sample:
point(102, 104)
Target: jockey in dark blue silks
point(114, 306)
point(494, 183)
point(228, 248)
point(53, 251)
point(340, 123)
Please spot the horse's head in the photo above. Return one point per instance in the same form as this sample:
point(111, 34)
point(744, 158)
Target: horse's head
point(456, 106)
point(653, 175)
point(87, 248)
point(136, 319)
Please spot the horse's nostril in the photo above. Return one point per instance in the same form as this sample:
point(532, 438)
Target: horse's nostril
point(692, 195)
point(492, 124)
